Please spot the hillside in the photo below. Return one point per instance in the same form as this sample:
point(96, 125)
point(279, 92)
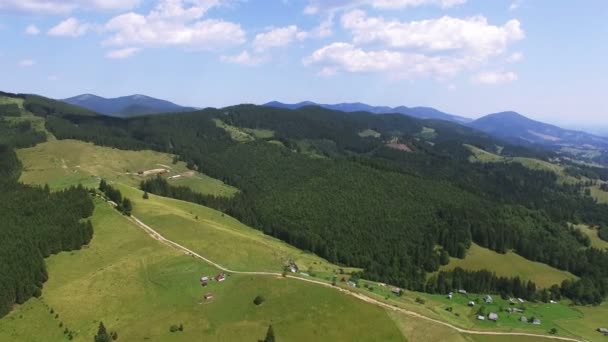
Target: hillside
point(417, 112)
point(125, 106)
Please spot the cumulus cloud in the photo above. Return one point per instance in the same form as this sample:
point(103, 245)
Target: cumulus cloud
point(338, 57)
point(70, 27)
point(515, 57)
point(317, 6)
point(245, 58)
point(440, 48)
point(278, 37)
point(26, 63)
point(32, 30)
point(64, 6)
point(174, 23)
point(494, 77)
point(122, 53)
point(474, 35)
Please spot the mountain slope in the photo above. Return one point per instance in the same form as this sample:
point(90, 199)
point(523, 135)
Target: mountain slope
point(417, 112)
point(126, 106)
point(517, 128)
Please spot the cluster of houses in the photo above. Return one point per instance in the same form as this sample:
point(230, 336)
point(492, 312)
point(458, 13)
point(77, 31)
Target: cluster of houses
point(205, 281)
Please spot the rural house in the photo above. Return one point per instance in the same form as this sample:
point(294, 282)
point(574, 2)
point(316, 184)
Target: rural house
point(481, 318)
point(523, 319)
point(603, 330)
point(488, 299)
point(220, 277)
point(536, 321)
point(462, 292)
point(396, 291)
point(208, 296)
point(471, 303)
point(493, 316)
point(352, 283)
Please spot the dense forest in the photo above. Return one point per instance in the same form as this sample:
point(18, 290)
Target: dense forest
point(359, 202)
point(35, 224)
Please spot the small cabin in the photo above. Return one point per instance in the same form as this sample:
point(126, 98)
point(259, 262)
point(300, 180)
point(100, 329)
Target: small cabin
point(208, 296)
point(462, 292)
point(488, 299)
point(523, 319)
point(471, 303)
point(493, 316)
point(396, 290)
point(603, 330)
point(481, 318)
point(536, 321)
point(220, 277)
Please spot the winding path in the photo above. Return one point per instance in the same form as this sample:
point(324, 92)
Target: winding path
point(157, 236)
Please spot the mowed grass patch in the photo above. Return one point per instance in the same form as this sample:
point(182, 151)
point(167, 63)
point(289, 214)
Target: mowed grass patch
point(220, 237)
point(62, 163)
point(596, 242)
point(509, 265)
point(369, 133)
point(140, 287)
point(600, 195)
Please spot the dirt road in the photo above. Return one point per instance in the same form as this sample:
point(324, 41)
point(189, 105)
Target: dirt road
point(154, 234)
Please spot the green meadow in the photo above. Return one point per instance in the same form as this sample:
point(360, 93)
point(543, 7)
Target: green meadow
point(509, 265)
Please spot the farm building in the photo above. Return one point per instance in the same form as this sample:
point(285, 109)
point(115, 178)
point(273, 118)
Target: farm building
point(481, 318)
point(462, 292)
point(471, 303)
point(450, 296)
point(603, 330)
point(220, 277)
point(521, 300)
point(493, 316)
point(352, 283)
point(396, 290)
point(517, 310)
point(208, 296)
point(536, 321)
point(523, 319)
point(488, 299)
point(204, 279)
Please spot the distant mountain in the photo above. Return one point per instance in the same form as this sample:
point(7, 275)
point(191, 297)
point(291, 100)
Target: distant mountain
point(417, 112)
point(514, 127)
point(126, 106)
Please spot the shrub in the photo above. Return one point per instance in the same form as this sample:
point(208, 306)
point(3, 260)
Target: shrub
point(259, 300)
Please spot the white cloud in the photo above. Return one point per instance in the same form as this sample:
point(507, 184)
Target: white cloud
point(174, 23)
point(316, 6)
point(122, 53)
point(278, 37)
point(471, 35)
point(494, 77)
point(338, 57)
point(70, 27)
point(32, 30)
point(515, 4)
point(515, 57)
point(64, 6)
point(25, 63)
point(245, 58)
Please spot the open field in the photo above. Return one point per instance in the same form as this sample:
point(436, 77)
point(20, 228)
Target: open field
point(596, 242)
point(139, 287)
point(600, 195)
point(483, 156)
point(369, 133)
point(37, 122)
point(509, 264)
point(62, 163)
point(213, 233)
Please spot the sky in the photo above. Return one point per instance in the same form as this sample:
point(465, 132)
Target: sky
point(547, 59)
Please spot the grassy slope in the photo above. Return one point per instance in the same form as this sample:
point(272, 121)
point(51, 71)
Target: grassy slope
point(483, 156)
point(596, 242)
point(62, 163)
point(139, 287)
point(509, 264)
point(599, 195)
point(37, 122)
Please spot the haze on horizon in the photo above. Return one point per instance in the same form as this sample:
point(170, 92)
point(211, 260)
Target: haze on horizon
point(544, 59)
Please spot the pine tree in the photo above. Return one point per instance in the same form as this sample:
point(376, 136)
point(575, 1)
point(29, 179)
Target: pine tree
point(145, 196)
point(127, 207)
point(270, 335)
point(102, 334)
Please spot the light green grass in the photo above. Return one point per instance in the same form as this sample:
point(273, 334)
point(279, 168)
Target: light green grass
point(139, 287)
point(510, 265)
point(483, 156)
point(600, 195)
point(428, 133)
point(369, 133)
point(37, 122)
point(259, 133)
point(62, 163)
point(214, 233)
point(596, 242)
point(235, 133)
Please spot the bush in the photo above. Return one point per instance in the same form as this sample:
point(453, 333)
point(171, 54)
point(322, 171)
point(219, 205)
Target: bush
point(174, 328)
point(259, 300)
point(420, 300)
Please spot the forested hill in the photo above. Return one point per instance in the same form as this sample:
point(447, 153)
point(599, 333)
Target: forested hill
point(392, 194)
point(35, 222)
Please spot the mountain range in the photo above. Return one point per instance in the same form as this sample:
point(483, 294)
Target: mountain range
point(126, 106)
point(417, 112)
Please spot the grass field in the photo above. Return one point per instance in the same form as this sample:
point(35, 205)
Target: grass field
point(509, 264)
point(483, 156)
point(37, 122)
point(369, 133)
point(139, 287)
point(600, 195)
point(596, 242)
point(62, 163)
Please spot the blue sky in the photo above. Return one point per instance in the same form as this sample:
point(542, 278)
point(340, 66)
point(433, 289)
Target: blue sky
point(543, 58)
